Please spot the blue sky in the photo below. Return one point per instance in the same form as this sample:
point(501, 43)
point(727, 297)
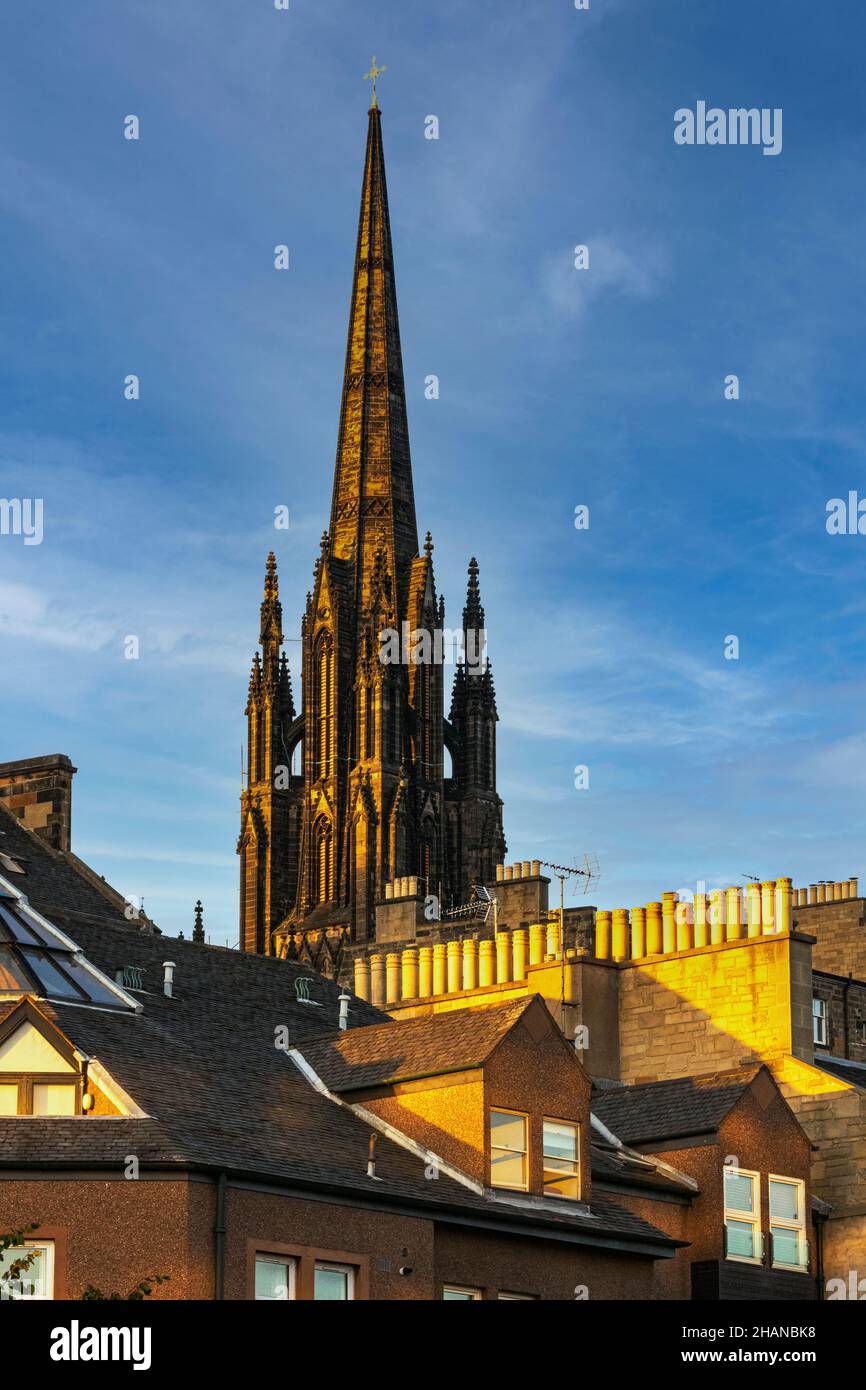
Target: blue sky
point(558, 388)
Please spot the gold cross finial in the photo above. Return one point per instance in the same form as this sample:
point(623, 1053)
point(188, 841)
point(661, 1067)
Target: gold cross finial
point(374, 73)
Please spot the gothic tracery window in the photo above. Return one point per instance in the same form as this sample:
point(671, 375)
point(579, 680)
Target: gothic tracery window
point(324, 860)
point(370, 712)
point(325, 705)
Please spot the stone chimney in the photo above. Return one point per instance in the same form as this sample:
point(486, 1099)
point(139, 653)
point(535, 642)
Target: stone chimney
point(39, 792)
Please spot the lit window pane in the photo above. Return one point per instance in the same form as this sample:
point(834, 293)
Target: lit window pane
point(507, 1131)
point(272, 1279)
point(741, 1238)
point(783, 1200)
point(560, 1178)
point(331, 1284)
point(560, 1140)
point(507, 1169)
point(53, 1100)
point(786, 1246)
point(9, 1100)
point(738, 1192)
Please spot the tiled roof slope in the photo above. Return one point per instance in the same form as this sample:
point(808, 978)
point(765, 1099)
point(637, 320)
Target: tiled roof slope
point(671, 1109)
point(56, 882)
point(415, 1047)
point(219, 1095)
point(625, 1168)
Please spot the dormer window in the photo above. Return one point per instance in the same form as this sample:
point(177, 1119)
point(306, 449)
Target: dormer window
point(508, 1150)
point(35, 1079)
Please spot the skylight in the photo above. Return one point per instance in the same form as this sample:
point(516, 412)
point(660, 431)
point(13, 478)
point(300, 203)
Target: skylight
point(36, 958)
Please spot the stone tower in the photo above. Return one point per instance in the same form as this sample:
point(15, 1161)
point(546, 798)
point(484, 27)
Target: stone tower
point(269, 805)
point(369, 801)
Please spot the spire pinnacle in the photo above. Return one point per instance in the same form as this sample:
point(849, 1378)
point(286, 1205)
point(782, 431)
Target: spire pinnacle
point(198, 929)
point(473, 613)
point(271, 630)
point(272, 584)
point(374, 72)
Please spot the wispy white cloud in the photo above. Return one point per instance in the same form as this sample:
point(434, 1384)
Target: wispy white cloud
point(636, 272)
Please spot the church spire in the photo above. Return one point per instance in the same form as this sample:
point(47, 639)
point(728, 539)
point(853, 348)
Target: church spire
point(366, 801)
point(373, 491)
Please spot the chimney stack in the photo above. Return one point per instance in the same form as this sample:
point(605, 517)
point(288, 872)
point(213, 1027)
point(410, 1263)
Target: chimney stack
point(169, 968)
point(39, 792)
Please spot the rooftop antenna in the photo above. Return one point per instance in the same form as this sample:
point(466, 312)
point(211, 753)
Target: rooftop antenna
point(586, 875)
point(478, 909)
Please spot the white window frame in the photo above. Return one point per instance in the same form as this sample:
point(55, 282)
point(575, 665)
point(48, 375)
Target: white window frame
point(518, 1115)
point(786, 1224)
point(473, 1294)
point(16, 1252)
point(291, 1263)
point(561, 1196)
point(348, 1270)
point(820, 1022)
point(751, 1218)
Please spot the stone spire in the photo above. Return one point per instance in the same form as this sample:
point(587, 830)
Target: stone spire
point(271, 629)
point(473, 679)
point(198, 929)
point(373, 475)
point(473, 613)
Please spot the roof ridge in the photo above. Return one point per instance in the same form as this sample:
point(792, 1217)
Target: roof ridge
point(692, 1077)
point(519, 1006)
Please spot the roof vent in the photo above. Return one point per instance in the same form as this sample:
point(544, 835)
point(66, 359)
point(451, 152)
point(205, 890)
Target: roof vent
point(302, 991)
point(169, 967)
point(131, 977)
point(344, 1010)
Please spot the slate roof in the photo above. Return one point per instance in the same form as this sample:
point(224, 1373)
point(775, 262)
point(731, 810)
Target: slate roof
point(624, 1168)
point(56, 882)
point(672, 1109)
point(409, 1048)
point(220, 1096)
